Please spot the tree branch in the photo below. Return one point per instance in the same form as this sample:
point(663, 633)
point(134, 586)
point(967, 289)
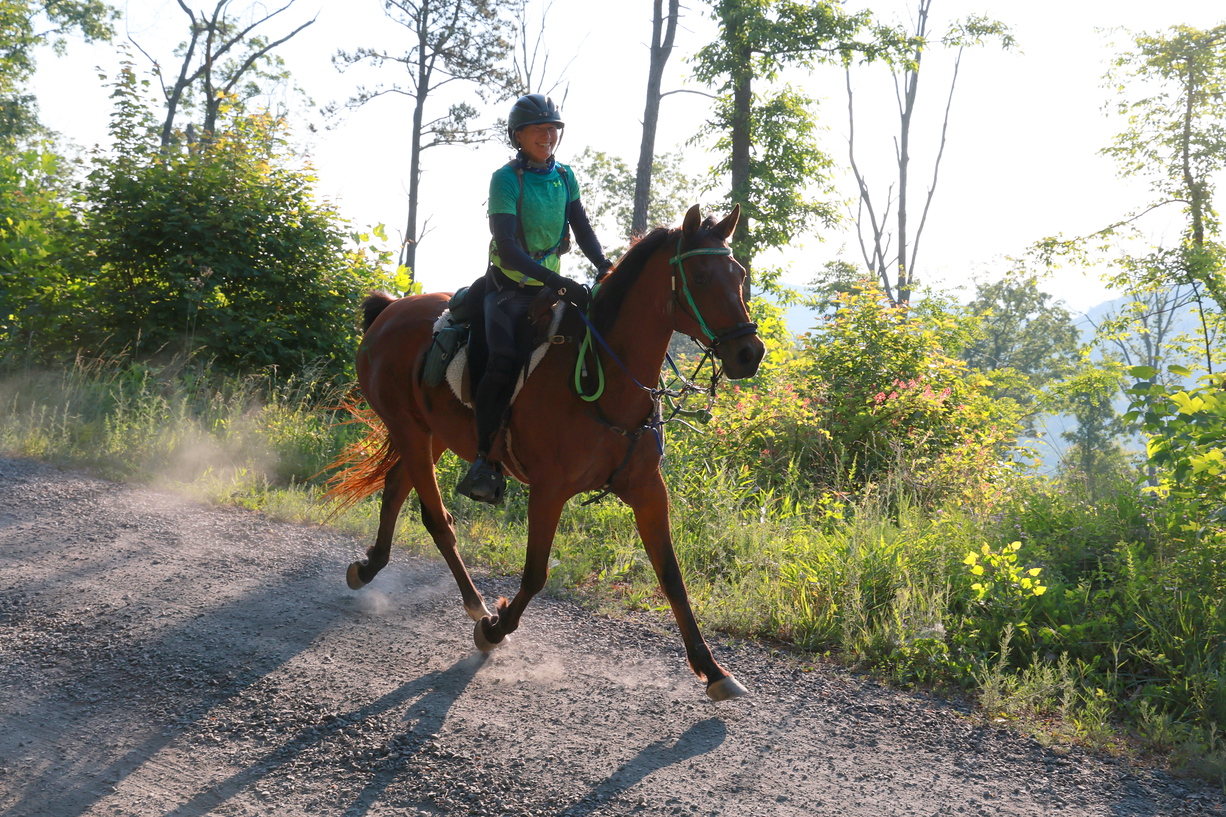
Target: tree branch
point(688, 91)
point(936, 165)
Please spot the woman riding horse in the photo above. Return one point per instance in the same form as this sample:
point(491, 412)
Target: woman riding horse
point(533, 200)
point(561, 440)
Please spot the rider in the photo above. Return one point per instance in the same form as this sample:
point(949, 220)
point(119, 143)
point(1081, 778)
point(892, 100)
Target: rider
point(533, 200)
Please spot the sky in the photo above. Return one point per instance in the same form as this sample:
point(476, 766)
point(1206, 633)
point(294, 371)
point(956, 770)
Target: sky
point(1021, 160)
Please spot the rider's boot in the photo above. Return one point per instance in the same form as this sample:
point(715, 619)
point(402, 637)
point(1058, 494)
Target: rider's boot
point(484, 481)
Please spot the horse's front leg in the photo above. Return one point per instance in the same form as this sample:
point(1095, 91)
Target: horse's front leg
point(648, 497)
point(544, 511)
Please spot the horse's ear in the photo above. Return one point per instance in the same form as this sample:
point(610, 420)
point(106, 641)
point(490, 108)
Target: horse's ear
point(726, 227)
point(692, 220)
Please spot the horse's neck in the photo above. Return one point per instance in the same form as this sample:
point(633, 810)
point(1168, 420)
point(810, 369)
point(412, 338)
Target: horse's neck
point(643, 328)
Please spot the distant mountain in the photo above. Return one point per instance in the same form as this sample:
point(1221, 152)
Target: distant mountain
point(800, 319)
point(1186, 322)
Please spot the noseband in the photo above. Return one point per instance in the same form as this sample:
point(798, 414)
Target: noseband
point(713, 339)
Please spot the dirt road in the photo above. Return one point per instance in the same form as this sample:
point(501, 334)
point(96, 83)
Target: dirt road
point(158, 657)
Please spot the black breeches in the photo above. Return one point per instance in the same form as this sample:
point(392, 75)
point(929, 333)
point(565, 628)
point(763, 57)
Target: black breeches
point(507, 331)
point(508, 339)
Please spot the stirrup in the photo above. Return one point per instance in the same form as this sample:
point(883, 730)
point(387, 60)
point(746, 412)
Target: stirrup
point(484, 482)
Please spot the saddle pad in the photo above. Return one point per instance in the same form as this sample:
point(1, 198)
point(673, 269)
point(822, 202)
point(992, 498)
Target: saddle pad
point(459, 363)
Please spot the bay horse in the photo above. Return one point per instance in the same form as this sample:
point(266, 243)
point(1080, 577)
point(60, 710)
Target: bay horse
point(554, 441)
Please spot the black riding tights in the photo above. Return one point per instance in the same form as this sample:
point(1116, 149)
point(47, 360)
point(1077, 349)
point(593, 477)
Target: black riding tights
point(506, 330)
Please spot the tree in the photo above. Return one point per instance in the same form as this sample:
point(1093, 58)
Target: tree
point(231, 59)
point(37, 232)
point(875, 246)
point(25, 25)
point(1142, 331)
point(1022, 338)
point(1088, 395)
point(464, 41)
point(766, 137)
point(663, 32)
point(1177, 135)
point(1170, 88)
point(609, 185)
point(223, 251)
point(529, 72)
point(37, 221)
point(1021, 328)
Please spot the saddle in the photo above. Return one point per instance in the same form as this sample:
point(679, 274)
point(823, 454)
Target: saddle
point(447, 358)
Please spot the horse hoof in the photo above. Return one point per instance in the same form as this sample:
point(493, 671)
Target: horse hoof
point(484, 644)
point(352, 578)
point(726, 689)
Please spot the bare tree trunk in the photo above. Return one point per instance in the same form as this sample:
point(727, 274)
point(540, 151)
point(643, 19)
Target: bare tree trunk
point(661, 48)
point(218, 41)
point(905, 112)
point(1195, 192)
point(409, 252)
point(176, 93)
point(742, 99)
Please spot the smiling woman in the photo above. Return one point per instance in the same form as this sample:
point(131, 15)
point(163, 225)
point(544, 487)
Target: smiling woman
point(534, 204)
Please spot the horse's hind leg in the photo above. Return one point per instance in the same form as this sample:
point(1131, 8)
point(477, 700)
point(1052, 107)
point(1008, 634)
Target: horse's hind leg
point(396, 488)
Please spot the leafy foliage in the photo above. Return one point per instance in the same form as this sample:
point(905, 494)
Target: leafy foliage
point(1187, 449)
point(872, 405)
point(37, 232)
point(223, 251)
point(1021, 339)
point(786, 168)
point(24, 26)
point(609, 189)
point(894, 397)
point(1088, 395)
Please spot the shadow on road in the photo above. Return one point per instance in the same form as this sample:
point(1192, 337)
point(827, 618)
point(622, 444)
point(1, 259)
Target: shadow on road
point(433, 694)
point(701, 738)
point(100, 748)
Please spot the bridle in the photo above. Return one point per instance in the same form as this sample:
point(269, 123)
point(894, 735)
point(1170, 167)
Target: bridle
point(677, 261)
point(656, 420)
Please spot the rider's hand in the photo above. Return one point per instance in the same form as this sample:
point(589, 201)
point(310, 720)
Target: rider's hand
point(579, 296)
point(572, 292)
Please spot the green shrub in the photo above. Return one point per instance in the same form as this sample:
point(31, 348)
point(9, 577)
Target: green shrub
point(221, 250)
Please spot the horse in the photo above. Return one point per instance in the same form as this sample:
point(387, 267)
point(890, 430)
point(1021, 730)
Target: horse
point(555, 441)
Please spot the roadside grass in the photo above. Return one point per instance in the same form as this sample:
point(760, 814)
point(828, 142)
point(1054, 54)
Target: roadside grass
point(1123, 649)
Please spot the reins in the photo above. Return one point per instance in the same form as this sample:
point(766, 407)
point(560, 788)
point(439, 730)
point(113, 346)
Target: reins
point(655, 420)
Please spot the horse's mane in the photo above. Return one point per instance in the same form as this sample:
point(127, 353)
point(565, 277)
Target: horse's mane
point(618, 283)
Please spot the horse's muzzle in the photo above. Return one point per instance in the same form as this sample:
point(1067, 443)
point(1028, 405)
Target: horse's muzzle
point(741, 356)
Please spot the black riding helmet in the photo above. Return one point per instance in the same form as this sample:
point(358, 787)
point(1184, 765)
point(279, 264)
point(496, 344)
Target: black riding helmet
point(532, 109)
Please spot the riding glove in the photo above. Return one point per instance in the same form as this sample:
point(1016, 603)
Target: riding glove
point(571, 291)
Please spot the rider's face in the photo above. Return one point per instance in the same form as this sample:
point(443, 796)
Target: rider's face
point(538, 141)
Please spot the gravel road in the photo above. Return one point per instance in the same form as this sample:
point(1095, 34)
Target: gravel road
point(160, 657)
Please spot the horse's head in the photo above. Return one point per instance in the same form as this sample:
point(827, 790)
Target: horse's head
point(707, 283)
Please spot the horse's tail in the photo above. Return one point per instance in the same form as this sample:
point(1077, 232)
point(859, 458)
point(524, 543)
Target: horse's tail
point(363, 464)
point(373, 306)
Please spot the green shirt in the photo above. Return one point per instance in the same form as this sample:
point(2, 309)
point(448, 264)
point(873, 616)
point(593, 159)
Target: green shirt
point(543, 214)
